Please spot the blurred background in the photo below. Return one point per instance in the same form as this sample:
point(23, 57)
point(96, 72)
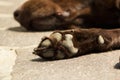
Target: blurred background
point(7, 8)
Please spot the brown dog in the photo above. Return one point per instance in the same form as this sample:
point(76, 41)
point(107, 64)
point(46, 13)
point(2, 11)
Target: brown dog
point(65, 14)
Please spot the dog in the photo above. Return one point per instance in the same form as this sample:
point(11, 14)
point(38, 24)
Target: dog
point(85, 26)
point(44, 15)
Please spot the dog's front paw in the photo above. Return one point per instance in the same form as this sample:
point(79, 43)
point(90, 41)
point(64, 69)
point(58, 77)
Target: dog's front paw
point(58, 45)
point(70, 43)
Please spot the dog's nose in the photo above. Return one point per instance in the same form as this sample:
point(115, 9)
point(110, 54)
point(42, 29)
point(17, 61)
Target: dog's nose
point(17, 14)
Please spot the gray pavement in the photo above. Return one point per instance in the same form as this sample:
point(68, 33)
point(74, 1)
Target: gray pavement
point(15, 40)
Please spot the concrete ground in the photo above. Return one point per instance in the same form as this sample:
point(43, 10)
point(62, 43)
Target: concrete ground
point(18, 63)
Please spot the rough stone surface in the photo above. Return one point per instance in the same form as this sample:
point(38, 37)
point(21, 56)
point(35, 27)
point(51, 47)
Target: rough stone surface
point(20, 39)
point(101, 66)
point(88, 67)
point(7, 60)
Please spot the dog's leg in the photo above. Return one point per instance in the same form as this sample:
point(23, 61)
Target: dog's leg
point(76, 42)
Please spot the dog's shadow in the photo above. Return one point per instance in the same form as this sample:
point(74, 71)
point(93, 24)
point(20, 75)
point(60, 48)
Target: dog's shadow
point(38, 60)
point(42, 60)
point(18, 29)
point(117, 66)
point(22, 29)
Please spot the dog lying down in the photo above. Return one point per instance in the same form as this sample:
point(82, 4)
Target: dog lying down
point(79, 23)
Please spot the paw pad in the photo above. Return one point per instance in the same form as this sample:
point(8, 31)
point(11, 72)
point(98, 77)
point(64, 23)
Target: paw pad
point(60, 55)
point(46, 43)
point(48, 53)
point(56, 36)
point(69, 43)
point(101, 39)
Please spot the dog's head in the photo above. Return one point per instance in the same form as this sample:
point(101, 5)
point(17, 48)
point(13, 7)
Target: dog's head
point(46, 14)
point(39, 15)
point(59, 14)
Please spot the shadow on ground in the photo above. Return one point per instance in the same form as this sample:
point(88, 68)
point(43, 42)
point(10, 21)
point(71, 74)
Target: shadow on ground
point(41, 60)
point(18, 29)
point(45, 60)
point(22, 29)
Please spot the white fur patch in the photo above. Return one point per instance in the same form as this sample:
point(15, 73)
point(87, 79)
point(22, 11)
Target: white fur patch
point(69, 44)
point(101, 39)
point(57, 36)
point(48, 54)
point(46, 43)
point(66, 14)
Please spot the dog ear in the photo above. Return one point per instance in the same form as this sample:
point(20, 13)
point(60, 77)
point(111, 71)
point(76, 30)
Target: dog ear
point(118, 4)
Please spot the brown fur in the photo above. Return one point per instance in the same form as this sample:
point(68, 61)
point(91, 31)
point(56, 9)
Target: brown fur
point(86, 40)
point(44, 14)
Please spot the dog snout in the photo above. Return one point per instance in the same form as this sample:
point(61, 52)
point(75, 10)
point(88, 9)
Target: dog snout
point(17, 14)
